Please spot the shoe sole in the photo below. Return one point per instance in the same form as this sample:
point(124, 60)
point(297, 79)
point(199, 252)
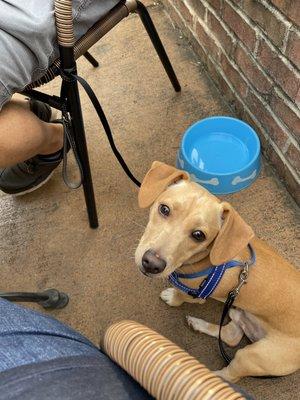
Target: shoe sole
point(34, 188)
point(54, 115)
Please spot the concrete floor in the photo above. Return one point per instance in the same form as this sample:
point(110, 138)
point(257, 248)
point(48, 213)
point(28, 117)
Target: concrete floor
point(45, 240)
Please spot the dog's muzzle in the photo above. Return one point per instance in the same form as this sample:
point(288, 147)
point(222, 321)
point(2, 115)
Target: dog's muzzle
point(152, 263)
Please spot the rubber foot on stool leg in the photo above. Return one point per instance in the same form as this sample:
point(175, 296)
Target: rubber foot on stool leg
point(56, 299)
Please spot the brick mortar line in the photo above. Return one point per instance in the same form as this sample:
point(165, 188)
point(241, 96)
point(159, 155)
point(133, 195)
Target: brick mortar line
point(224, 25)
point(173, 23)
point(263, 131)
point(237, 40)
point(241, 73)
point(288, 102)
point(293, 29)
point(278, 14)
point(265, 134)
point(286, 162)
point(258, 95)
point(285, 40)
point(193, 31)
point(221, 72)
point(206, 15)
point(261, 33)
point(286, 146)
point(255, 50)
point(292, 141)
point(179, 14)
point(192, 12)
point(182, 19)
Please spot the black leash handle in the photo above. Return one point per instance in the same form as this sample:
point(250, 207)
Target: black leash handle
point(228, 304)
point(243, 277)
point(70, 144)
point(89, 91)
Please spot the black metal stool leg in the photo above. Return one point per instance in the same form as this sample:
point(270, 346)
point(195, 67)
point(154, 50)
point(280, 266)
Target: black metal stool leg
point(91, 59)
point(74, 108)
point(71, 94)
point(51, 298)
point(155, 39)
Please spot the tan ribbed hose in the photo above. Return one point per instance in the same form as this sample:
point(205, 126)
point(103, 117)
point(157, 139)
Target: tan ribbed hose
point(64, 22)
point(165, 370)
point(65, 32)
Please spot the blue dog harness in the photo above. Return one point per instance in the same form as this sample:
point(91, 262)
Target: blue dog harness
point(213, 275)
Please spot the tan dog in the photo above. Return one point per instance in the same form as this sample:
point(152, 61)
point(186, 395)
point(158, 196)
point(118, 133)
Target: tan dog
point(190, 229)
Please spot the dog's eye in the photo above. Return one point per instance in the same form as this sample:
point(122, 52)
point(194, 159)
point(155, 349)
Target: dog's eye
point(164, 210)
point(199, 236)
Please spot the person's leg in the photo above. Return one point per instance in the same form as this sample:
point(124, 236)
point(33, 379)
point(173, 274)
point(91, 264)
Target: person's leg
point(30, 145)
point(23, 138)
point(27, 336)
point(23, 135)
point(42, 358)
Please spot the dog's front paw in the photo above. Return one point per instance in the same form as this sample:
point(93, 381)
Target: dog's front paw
point(172, 297)
point(225, 374)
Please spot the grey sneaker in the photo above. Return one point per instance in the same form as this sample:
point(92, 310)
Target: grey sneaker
point(31, 174)
point(41, 110)
point(27, 176)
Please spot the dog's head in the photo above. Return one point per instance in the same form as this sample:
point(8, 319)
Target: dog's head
point(186, 224)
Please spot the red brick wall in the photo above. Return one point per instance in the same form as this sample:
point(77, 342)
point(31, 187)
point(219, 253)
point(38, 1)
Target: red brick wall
point(251, 49)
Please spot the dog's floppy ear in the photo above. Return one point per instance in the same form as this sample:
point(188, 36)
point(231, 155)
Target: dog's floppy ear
point(233, 237)
point(157, 179)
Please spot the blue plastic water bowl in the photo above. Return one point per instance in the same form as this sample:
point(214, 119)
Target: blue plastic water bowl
point(220, 153)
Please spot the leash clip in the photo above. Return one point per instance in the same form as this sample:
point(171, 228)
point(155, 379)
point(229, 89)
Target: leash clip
point(243, 277)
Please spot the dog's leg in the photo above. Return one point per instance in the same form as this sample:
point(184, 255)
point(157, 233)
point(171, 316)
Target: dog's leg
point(175, 298)
point(231, 333)
point(266, 357)
point(172, 297)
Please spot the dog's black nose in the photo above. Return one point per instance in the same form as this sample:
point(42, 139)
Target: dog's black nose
point(152, 263)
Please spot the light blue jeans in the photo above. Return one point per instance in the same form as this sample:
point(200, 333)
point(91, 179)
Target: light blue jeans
point(41, 358)
point(29, 337)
